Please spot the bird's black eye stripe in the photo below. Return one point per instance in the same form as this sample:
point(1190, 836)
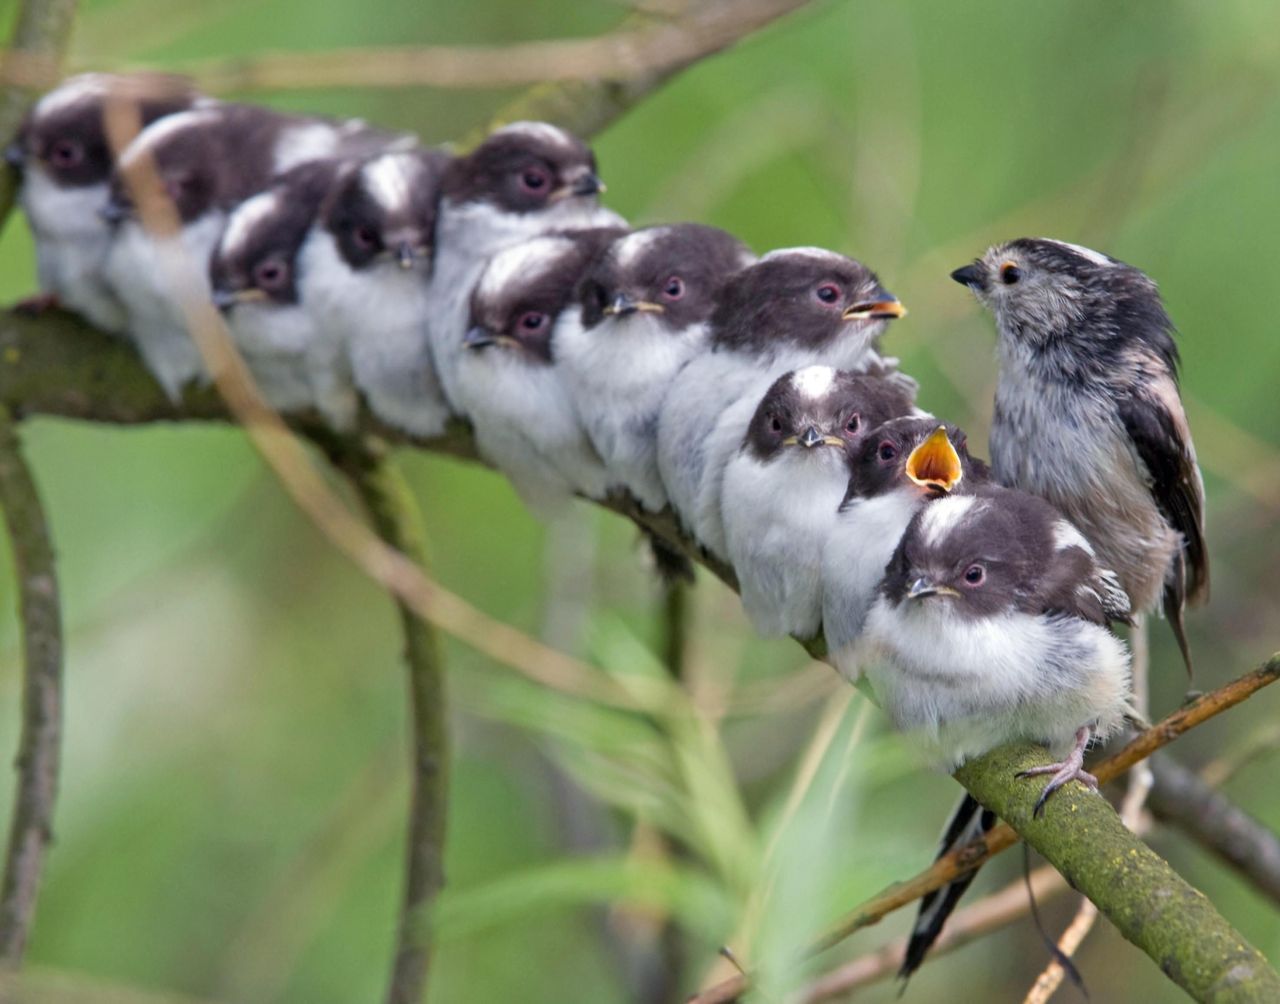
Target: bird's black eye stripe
point(1010, 274)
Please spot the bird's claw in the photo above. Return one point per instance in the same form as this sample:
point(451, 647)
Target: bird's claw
point(1070, 769)
point(37, 304)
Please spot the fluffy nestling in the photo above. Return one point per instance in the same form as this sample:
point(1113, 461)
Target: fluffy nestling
point(255, 282)
point(206, 162)
point(365, 271)
point(784, 484)
point(526, 179)
point(895, 470)
point(1088, 413)
point(66, 160)
point(793, 308)
point(507, 381)
point(644, 308)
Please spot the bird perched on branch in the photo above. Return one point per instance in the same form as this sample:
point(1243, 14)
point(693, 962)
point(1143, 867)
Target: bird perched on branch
point(205, 161)
point(365, 271)
point(643, 312)
point(255, 279)
point(1088, 414)
point(783, 486)
point(991, 626)
point(526, 179)
point(895, 470)
point(507, 379)
point(793, 308)
point(65, 158)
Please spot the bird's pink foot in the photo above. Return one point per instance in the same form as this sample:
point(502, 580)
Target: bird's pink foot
point(1070, 769)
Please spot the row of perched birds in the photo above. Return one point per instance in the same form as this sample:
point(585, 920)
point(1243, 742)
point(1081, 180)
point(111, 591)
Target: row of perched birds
point(747, 393)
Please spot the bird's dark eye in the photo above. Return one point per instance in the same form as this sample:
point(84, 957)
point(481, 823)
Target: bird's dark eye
point(66, 153)
point(1009, 274)
point(887, 451)
point(365, 238)
point(828, 292)
point(535, 180)
point(674, 289)
point(975, 575)
point(854, 424)
point(775, 423)
point(532, 320)
point(270, 275)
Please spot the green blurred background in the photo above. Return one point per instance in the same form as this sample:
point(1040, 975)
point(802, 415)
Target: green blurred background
point(233, 799)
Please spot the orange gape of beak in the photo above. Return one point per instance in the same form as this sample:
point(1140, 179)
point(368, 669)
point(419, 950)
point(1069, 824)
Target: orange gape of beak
point(935, 462)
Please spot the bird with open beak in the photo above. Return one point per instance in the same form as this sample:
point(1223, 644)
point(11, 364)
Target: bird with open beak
point(507, 379)
point(896, 469)
point(254, 277)
point(65, 161)
point(1088, 413)
point(783, 486)
point(793, 308)
point(203, 162)
point(643, 312)
point(526, 179)
point(364, 276)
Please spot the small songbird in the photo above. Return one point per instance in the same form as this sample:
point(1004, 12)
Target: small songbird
point(644, 311)
point(1088, 413)
point(526, 179)
point(255, 280)
point(207, 160)
point(364, 278)
point(524, 422)
point(991, 626)
point(793, 308)
point(783, 487)
point(896, 469)
point(65, 159)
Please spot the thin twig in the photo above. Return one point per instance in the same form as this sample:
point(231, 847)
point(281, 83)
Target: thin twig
point(40, 32)
point(395, 518)
point(39, 747)
point(633, 53)
point(965, 859)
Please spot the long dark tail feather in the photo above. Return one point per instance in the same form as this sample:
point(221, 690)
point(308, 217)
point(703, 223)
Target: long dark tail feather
point(1059, 956)
point(968, 822)
point(1175, 592)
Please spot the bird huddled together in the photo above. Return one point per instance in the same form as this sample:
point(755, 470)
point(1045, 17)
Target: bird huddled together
point(749, 394)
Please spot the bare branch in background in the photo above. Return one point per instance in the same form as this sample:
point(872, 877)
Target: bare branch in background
point(395, 517)
point(640, 52)
point(39, 747)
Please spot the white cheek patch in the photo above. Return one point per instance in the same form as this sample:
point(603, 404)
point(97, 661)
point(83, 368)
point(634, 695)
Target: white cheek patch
point(246, 219)
point(1097, 257)
point(943, 516)
point(1065, 535)
point(813, 381)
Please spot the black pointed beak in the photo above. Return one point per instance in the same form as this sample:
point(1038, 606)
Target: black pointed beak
point(224, 299)
point(811, 437)
point(406, 256)
point(588, 184)
point(920, 588)
point(622, 304)
point(974, 276)
point(478, 338)
point(14, 155)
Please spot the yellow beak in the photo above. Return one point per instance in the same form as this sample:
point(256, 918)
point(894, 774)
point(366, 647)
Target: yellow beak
point(935, 462)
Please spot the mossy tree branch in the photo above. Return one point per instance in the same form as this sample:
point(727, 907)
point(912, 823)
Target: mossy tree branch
point(1081, 835)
